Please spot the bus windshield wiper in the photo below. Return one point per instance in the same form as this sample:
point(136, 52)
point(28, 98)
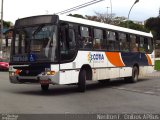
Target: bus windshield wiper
point(37, 30)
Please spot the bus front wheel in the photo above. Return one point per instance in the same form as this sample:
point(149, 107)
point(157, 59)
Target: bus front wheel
point(44, 87)
point(82, 81)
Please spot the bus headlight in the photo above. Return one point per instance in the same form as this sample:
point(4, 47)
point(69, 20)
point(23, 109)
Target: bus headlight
point(51, 73)
point(17, 72)
point(48, 71)
point(12, 73)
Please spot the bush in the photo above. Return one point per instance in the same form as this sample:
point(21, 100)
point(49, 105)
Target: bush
point(157, 65)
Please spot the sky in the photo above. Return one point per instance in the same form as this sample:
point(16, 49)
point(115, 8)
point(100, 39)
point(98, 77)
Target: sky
point(144, 9)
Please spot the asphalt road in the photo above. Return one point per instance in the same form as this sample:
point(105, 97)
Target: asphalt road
point(116, 97)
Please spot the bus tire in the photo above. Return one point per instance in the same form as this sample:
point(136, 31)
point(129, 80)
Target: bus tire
point(134, 77)
point(45, 87)
point(82, 81)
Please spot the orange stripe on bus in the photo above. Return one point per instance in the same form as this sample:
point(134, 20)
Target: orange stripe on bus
point(114, 58)
point(149, 59)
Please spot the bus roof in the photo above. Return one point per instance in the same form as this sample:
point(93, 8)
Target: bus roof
point(102, 25)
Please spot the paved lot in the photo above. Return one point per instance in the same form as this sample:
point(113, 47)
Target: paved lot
point(115, 97)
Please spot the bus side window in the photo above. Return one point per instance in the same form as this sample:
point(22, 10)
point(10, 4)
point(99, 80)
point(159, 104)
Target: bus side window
point(124, 43)
point(63, 36)
point(133, 43)
point(16, 44)
point(148, 44)
point(72, 41)
point(98, 40)
point(142, 46)
point(67, 42)
point(112, 41)
point(85, 39)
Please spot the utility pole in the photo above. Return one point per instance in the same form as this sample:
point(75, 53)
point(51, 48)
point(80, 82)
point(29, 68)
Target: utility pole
point(159, 13)
point(107, 11)
point(1, 39)
point(111, 9)
point(130, 12)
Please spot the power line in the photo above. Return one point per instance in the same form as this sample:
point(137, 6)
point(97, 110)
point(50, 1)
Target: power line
point(79, 6)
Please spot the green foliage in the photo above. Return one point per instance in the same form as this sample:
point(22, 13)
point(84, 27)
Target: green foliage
point(153, 24)
point(6, 24)
point(76, 15)
point(93, 18)
point(118, 21)
point(157, 65)
point(132, 25)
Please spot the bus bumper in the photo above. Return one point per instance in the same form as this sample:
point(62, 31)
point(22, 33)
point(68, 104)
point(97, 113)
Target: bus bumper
point(42, 79)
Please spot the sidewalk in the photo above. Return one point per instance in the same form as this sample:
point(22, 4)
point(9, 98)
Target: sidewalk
point(154, 74)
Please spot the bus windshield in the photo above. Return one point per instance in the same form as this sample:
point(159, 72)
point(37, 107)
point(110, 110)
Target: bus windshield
point(35, 44)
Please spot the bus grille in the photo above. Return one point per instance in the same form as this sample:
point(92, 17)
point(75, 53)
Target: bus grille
point(29, 72)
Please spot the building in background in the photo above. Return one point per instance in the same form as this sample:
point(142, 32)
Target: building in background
point(6, 43)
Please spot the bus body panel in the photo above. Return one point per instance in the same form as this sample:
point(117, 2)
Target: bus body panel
point(104, 64)
point(125, 71)
point(102, 68)
point(69, 77)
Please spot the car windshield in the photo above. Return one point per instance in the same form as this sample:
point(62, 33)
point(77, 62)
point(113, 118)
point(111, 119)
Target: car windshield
point(35, 44)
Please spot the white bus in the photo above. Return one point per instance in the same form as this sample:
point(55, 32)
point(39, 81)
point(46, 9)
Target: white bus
point(52, 49)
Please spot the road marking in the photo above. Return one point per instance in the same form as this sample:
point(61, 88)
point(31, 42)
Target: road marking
point(138, 91)
point(149, 92)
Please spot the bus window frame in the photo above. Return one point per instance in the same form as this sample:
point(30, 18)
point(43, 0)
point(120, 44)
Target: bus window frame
point(127, 40)
point(103, 40)
point(142, 44)
point(68, 24)
point(137, 42)
point(80, 37)
point(149, 51)
point(117, 39)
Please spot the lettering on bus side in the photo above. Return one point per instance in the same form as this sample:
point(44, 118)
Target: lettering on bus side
point(20, 58)
point(95, 57)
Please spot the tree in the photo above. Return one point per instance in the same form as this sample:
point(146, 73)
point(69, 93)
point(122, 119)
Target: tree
point(118, 20)
point(6, 24)
point(112, 19)
point(101, 17)
point(153, 24)
point(77, 15)
point(93, 18)
point(133, 26)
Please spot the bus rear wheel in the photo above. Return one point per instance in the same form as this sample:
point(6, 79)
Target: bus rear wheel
point(82, 81)
point(44, 87)
point(134, 77)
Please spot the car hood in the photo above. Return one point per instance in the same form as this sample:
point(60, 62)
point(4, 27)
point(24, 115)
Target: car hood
point(4, 63)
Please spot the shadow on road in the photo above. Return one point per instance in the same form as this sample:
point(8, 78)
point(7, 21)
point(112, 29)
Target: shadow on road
point(59, 90)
